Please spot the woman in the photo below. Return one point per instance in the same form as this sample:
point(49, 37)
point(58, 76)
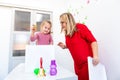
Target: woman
point(81, 44)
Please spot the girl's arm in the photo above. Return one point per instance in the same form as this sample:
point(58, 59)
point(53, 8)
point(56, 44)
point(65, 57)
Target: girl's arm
point(51, 43)
point(51, 40)
point(32, 36)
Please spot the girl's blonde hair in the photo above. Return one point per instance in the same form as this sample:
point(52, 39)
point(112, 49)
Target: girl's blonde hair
point(69, 20)
point(43, 23)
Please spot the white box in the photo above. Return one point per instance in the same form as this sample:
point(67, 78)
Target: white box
point(33, 54)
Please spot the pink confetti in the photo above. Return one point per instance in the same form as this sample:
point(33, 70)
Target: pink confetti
point(88, 1)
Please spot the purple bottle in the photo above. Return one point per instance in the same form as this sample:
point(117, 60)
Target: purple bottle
point(53, 70)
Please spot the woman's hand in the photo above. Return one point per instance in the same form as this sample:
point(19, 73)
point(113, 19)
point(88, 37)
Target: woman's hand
point(61, 45)
point(95, 61)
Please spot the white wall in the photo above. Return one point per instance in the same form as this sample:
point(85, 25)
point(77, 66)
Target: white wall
point(103, 21)
point(5, 30)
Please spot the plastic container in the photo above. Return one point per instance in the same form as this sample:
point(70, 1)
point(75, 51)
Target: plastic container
point(53, 69)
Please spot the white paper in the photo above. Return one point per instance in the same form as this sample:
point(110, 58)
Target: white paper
point(96, 72)
point(33, 54)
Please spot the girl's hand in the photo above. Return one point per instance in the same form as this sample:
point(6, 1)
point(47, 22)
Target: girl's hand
point(95, 61)
point(61, 45)
point(34, 28)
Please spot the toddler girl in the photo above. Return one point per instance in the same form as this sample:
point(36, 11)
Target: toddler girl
point(44, 36)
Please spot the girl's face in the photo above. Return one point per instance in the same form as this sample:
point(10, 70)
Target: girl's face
point(46, 28)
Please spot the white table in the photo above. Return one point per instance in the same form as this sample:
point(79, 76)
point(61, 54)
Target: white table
point(18, 73)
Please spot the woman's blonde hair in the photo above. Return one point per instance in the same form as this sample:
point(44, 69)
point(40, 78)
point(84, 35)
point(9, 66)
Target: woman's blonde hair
point(43, 23)
point(69, 20)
